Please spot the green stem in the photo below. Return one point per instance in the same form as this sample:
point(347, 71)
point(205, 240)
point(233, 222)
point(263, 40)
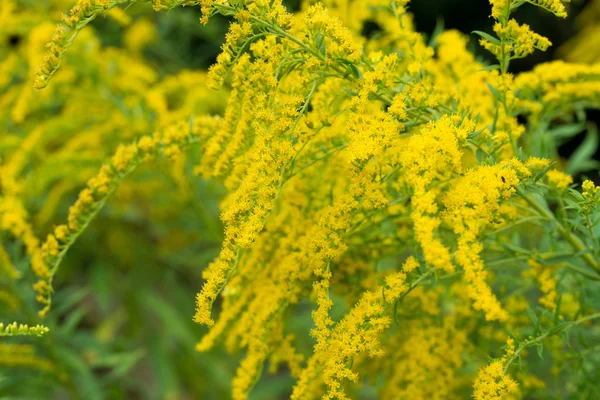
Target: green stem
point(573, 240)
point(536, 340)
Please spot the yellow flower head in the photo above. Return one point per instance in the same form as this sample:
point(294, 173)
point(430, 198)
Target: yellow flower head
point(558, 179)
point(492, 384)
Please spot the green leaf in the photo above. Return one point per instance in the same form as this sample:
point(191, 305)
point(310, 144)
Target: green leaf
point(519, 111)
point(512, 335)
point(540, 350)
point(490, 67)
point(532, 316)
point(191, 123)
point(351, 68)
point(70, 299)
point(566, 337)
point(72, 320)
point(439, 29)
point(120, 363)
point(170, 317)
point(541, 202)
point(516, 5)
point(563, 257)
point(582, 158)
point(473, 135)
point(540, 174)
point(81, 375)
point(479, 155)
point(495, 92)
point(320, 43)
point(515, 249)
point(565, 132)
point(488, 37)
point(355, 71)
point(578, 196)
point(558, 328)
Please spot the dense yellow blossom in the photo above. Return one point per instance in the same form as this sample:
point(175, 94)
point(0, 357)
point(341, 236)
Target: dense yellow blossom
point(523, 40)
point(590, 190)
point(356, 333)
point(558, 179)
point(491, 383)
point(471, 205)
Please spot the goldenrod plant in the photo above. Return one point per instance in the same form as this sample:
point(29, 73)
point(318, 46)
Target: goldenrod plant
point(360, 217)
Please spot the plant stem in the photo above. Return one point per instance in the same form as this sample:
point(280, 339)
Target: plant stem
point(536, 340)
point(574, 241)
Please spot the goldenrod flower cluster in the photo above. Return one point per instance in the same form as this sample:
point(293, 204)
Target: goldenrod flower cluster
point(492, 383)
point(368, 217)
point(558, 179)
point(15, 329)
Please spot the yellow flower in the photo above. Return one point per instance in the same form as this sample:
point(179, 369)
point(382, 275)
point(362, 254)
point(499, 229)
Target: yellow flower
point(554, 6)
point(558, 179)
point(15, 329)
point(589, 190)
point(499, 7)
point(491, 383)
point(357, 333)
point(536, 162)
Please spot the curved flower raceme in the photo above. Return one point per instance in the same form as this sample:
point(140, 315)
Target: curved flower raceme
point(100, 187)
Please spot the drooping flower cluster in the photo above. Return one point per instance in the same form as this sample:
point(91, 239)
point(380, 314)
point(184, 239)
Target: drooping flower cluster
point(492, 383)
